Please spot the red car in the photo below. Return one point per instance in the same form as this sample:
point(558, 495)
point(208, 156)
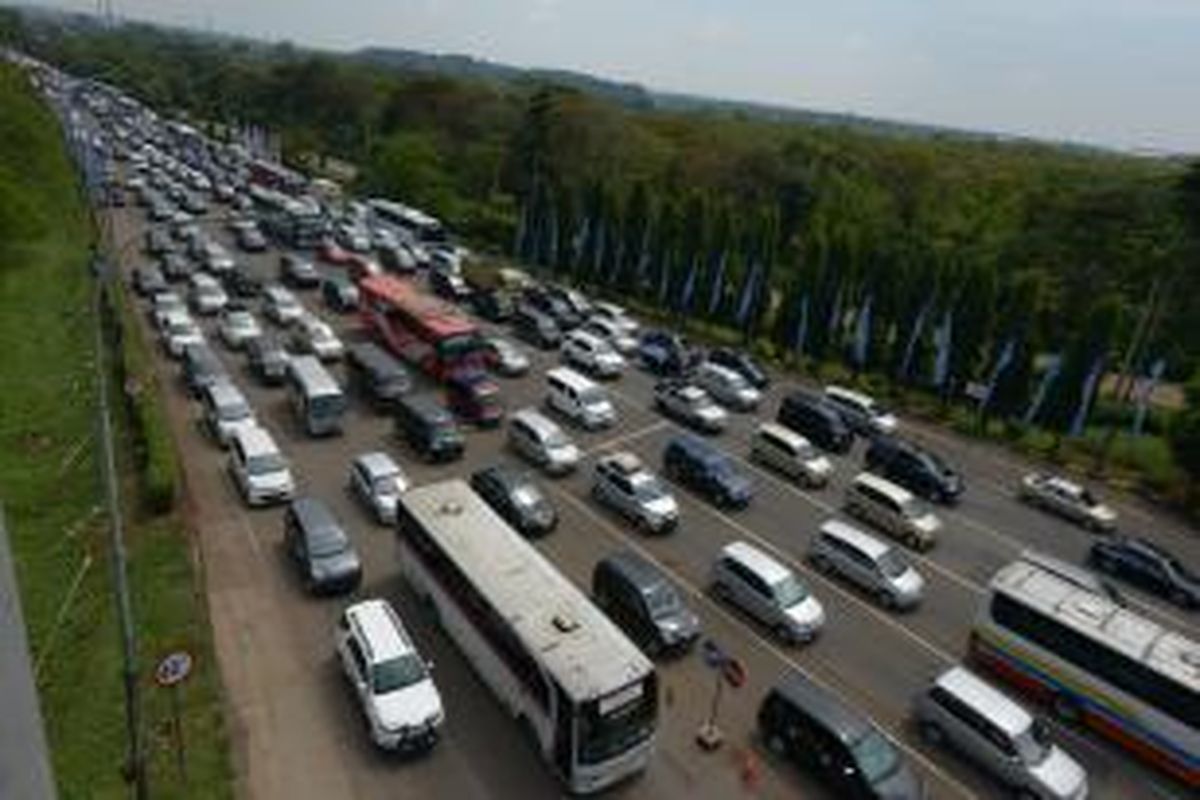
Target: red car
point(331, 252)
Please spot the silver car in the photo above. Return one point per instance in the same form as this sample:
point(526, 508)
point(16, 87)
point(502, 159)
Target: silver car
point(872, 565)
point(536, 438)
point(790, 454)
point(961, 710)
point(756, 583)
point(690, 405)
point(625, 485)
point(238, 327)
point(377, 481)
point(1068, 500)
point(727, 387)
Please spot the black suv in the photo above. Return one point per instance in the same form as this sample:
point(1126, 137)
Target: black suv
point(742, 364)
point(535, 327)
point(513, 495)
point(378, 375)
point(1148, 566)
point(644, 603)
point(428, 428)
point(320, 548)
point(491, 304)
point(703, 468)
point(813, 418)
point(919, 470)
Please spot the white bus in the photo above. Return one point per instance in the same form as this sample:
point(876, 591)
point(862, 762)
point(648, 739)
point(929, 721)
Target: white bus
point(586, 693)
point(317, 399)
point(420, 225)
point(1071, 644)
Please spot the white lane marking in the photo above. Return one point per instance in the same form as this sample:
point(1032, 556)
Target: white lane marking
point(639, 433)
point(755, 637)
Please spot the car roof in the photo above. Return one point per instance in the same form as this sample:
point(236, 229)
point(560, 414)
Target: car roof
point(999, 709)
point(225, 392)
point(764, 565)
point(377, 463)
point(255, 440)
point(881, 484)
point(637, 569)
point(697, 447)
point(624, 461)
point(866, 543)
point(786, 434)
point(727, 373)
point(857, 398)
point(844, 722)
point(380, 629)
point(314, 515)
point(535, 419)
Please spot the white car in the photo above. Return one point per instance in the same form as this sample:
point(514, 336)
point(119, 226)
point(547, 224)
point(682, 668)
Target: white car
point(727, 387)
point(1067, 499)
point(313, 335)
point(162, 305)
point(390, 678)
point(238, 327)
point(592, 354)
point(861, 413)
point(378, 481)
point(179, 331)
point(281, 306)
point(622, 483)
point(612, 332)
point(206, 295)
point(260, 471)
point(617, 315)
point(216, 258)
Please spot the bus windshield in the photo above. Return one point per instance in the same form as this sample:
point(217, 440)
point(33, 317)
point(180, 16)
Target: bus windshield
point(327, 405)
point(611, 725)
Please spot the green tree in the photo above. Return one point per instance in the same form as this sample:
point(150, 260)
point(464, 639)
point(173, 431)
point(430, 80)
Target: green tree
point(408, 166)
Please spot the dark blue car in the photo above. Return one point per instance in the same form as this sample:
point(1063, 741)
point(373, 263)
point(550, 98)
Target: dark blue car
point(664, 353)
point(707, 470)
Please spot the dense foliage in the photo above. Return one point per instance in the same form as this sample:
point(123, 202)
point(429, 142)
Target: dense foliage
point(938, 260)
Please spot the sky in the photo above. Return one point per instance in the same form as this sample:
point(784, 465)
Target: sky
point(1120, 73)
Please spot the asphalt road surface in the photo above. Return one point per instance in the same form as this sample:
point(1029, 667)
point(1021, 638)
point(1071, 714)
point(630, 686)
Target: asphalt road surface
point(298, 733)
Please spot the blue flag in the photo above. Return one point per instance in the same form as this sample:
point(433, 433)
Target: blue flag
point(862, 333)
point(717, 291)
point(835, 318)
point(578, 242)
point(643, 262)
point(941, 338)
point(1085, 396)
point(801, 331)
point(746, 301)
point(1143, 392)
point(1005, 358)
point(689, 287)
point(1053, 367)
point(664, 278)
point(913, 337)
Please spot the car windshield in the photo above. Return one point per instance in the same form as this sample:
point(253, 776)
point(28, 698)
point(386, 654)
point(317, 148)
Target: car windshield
point(526, 496)
point(592, 397)
point(232, 412)
point(646, 487)
point(789, 591)
point(735, 381)
point(556, 440)
point(875, 757)
point(936, 464)
point(662, 600)
point(265, 463)
point(328, 542)
point(892, 564)
point(913, 509)
point(1033, 745)
point(397, 673)
point(385, 484)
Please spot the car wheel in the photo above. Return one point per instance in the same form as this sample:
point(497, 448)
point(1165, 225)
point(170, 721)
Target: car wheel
point(1066, 709)
point(823, 564)
point(1181, 598)
point(776, 745)
point(931, 732)
point(784, 634)
point(721, 591)
point(886, 599)
point(644, 526)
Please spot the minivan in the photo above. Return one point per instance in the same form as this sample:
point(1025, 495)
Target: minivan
point(644, 603)
point(377, 374)
point(259, 470)
point(919, 470)
point(768, 591)
point(860, 412)
point(839, 745)
point(812, 417)
point(962, 711)
point(317, 399)
point(579, 399)
point(789, 454)
point(428, 428)
point(320, 548)
point(703, 468)
point(535, 327)
point(201, 368)
point(225, 410)
point(893, 510)
point(874, 566)
point(538, 439)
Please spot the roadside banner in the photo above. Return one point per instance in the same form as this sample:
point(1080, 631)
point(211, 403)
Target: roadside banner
point(913, 337)
point(1002, 362)
point(1053, 366)
point(749, 290)
point(801, 327)
point(1143, 391)
point(942, 337)
point(717, 290)
point(1085, 396)
point(689, 287)
point(862, 333)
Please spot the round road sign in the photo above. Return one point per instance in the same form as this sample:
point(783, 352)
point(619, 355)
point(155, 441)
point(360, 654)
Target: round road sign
point(173, 669)
point(712, 654)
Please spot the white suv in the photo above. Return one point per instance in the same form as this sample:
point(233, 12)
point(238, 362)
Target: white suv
point(392, 681)
point(592, 354)
point(261, 472)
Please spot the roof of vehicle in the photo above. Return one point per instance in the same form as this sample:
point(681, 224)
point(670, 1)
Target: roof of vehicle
point(508, 477)
point(312, 375)
point(867, 544)
point(844, 722)
point(225, 393)
point(697, 447)
point(377, 464)
point(570, 377)
point(535, 419)
point(624, 462)
point(999, 709)
point(441, 320)
point(636, 568)
point(314, 515)
point(720, 370)
point(764, 565)
point(255, 440)
point(881, 484)
point(786, 434)
point(857, 398)
point(374, 358)
point(380, 629)
point(584, 651)
point(427, 407)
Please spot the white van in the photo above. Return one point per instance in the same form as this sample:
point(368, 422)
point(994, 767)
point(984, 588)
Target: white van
point(871, 564)
point(261, 473)
point(317, 398)
point(893, 510)
point(861, 412)
point(579, 399)
point(790, 454)
point(538, 439)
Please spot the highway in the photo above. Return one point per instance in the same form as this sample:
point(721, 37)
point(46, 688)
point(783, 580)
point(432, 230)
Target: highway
point(298, 734)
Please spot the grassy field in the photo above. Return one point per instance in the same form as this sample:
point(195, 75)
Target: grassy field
point(50, 492)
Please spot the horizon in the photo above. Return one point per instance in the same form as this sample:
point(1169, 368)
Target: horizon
point(993, 90)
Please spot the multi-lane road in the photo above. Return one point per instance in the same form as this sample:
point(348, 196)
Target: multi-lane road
point(298, 734)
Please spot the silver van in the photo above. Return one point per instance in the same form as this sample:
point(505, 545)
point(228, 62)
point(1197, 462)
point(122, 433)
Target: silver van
point(536, 438)
point(893, 510)
point(225, 411)
point(317, 398)
point(579, 399)
point(774, 595)
point(874, 566)
point(961, 710)
point(789, 454)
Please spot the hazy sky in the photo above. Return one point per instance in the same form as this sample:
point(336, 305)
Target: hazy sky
point(1117, 72)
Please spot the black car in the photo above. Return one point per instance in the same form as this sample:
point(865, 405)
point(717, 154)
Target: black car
point(380, 377)
point(201, 368)
point(535, 327)
point(396, 258)
point(514, 496)
point(492, 304)
point(149, 281)
point(320, 548)
point(339, 292)
point(298, 272)
point(241, 282)
point(1148, 566)
point(158, 242)
point(553, 306)
point(705, 469)
point(176, 267)
point(814, 418)
point(268, 359)
point(919, 470)
point(644, 603)
point(449, 285)
point(428, 428)
point(741, 363)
